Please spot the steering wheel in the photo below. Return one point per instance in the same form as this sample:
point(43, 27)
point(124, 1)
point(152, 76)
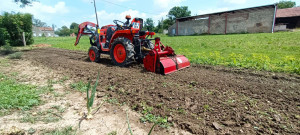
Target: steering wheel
point(118, 25)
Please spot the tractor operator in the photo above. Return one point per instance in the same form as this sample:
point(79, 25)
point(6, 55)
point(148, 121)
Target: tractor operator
point(111, 30)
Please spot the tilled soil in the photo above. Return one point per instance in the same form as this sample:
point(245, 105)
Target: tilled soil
point(199, 99)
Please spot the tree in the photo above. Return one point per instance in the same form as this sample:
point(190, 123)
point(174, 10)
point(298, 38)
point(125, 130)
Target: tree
point(13, 25)
point(159, 28)
point(149, 24)
point(174, 13)
point(74, 26)
point(63, 31)
point(53, 26)
point(286, 4)
point(3, 33)
point(38, 23)
point(24, 2)
point(167, 23)
point(178, 12)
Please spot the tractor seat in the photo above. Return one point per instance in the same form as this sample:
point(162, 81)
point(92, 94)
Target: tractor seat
point(142, 33)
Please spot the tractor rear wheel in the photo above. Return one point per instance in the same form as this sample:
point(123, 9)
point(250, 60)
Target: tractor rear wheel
point(122, 52)
point(94, 54)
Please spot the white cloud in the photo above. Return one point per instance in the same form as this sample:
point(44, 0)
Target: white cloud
point(37, 7)
point(236, 1)
point(91, 1)
point(106, 18)
point(159, 17)
point(167, 3)
point(38, 10)
point(207, 11)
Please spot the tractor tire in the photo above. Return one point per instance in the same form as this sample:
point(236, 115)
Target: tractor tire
point(122, 52)
point(94, 54)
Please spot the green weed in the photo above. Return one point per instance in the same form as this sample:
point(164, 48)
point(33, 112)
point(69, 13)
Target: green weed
point(80, 86)
point(112, 133)
point(149, 117)
point(7, 49)
point(50, 115)
point(4, 62)
point(206, 108)
point(14, 95)
point(16, 55)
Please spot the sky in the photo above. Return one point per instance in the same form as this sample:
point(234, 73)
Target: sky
point(64, 12)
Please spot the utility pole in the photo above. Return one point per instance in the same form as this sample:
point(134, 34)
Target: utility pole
point(96, 13)
point(24, 40)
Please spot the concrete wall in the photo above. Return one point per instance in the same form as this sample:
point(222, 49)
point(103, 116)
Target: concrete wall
point(193, 27)
point(172, 30)
point(254, 20)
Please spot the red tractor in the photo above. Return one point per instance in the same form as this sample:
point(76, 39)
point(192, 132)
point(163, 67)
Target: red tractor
point(125, 42)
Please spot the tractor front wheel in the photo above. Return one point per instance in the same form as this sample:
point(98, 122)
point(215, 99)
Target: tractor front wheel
point(94, 54)
point(122, 52)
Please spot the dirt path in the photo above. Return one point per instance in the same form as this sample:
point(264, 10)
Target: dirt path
point(200, 100)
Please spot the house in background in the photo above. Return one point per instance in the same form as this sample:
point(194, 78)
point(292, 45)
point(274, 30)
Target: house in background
point(288, 18)
point(40, 31)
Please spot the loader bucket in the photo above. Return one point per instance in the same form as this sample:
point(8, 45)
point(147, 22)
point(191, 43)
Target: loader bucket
point(161, 62)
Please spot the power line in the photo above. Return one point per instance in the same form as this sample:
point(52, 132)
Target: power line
point(129, 7)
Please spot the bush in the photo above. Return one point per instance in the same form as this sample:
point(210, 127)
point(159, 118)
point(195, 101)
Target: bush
point(13, 25)
point(7, 49)
point(3, 36)
point(17, 55)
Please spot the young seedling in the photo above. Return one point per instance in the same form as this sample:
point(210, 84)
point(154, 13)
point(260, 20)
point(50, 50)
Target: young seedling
point(90, 101)
point(129, 128)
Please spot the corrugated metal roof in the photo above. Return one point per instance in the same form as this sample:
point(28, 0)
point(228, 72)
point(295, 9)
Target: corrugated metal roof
point(288, 12)
point(45, 28)
point(271, 5)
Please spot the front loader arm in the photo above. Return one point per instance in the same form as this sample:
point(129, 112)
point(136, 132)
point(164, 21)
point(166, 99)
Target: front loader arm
point(84, 30)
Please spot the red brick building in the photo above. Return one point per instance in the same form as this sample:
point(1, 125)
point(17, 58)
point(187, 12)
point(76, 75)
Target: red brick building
point(289, 17)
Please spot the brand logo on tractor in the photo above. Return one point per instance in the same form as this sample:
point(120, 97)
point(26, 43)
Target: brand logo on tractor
point(179, 60)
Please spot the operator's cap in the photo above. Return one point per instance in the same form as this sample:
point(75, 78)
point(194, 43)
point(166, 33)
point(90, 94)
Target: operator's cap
point(128, 17)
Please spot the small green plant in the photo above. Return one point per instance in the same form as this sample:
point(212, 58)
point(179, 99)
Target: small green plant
point(149, 117)
point(50, 115)
point(90, 101)
point(7, 49)
point(49, 86)
point(16, 55)
point(206, 108)
point(62, 80)
point(157, 121)
point(80, 86)
point(112, 133)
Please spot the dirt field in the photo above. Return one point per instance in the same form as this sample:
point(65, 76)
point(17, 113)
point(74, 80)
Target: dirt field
point(199, 99)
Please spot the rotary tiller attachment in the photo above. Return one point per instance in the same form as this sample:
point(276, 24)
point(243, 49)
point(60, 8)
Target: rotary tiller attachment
point(163, 60)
